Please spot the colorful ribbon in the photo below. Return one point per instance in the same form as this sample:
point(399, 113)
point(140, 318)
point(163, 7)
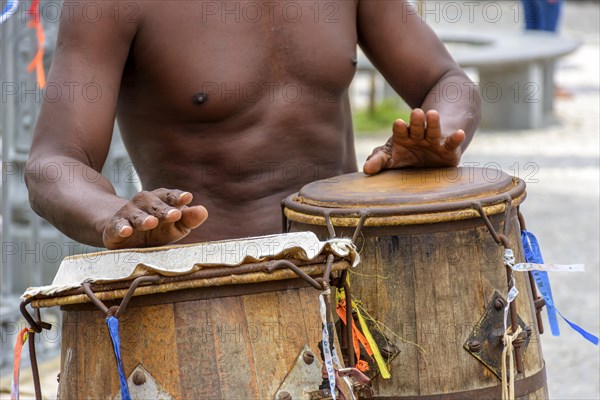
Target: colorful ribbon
point(533, 254)
point(113, 330)
point(37, 63)
point(14, 386)
point(357, 337)
point(383, 369)
point(9, 9)
point(327, 346)
point(38, 60)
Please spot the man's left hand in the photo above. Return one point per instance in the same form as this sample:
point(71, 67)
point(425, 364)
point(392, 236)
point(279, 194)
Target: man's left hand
point(421, 143)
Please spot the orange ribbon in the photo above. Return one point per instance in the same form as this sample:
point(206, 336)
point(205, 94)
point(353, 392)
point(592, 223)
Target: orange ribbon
point(21, 339)
point(38, 60)
point(357, 338)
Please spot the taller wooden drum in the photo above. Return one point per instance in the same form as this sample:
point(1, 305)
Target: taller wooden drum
point(432, 244)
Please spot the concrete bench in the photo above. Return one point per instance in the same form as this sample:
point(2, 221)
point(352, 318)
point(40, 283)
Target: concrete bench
point(516, 73)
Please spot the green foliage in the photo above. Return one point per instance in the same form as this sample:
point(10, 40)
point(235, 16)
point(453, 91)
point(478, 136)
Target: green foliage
point(382, 118)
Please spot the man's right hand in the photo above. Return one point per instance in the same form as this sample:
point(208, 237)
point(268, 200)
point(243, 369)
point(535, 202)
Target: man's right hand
point(154, 218)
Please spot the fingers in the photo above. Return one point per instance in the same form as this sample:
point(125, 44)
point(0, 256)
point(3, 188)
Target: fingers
point(153, 218)
point(154, 206)
point(425, 125)
point(126, 221)
point(376, 162)
point(146, 209)
point(399, 131)
point(417, 124)
point(174, 197)
point(379, 159)
point(193, 217)
point(143, 213)
point(116, 232)
point(420, 143)
point(454, 141)
point(118, 228)
point(434, 129)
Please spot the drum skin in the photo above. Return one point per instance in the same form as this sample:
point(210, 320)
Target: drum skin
point(195, 345)
point(428, 282)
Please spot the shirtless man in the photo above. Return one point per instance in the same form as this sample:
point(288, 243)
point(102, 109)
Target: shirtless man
point(232, 106)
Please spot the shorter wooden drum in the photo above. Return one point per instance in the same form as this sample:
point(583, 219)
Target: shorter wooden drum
point(219, 332)
point(433, 274)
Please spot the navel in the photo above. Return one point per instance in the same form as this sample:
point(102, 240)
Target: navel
point(354, 61)
point(200, 98)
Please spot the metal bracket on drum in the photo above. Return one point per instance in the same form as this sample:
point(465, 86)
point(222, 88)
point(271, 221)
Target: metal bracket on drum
point(142, 385)
point(306, 375)
point(502, 238)
point(116, 311)
point(485, 342)
point(327, 215)
point(302, 379)
point(364, 214)
point(503, 241)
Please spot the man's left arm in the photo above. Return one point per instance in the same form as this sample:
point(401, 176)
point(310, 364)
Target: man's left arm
point(446, 104)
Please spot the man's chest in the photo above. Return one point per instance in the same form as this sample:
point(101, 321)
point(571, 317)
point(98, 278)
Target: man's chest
point(243, 51)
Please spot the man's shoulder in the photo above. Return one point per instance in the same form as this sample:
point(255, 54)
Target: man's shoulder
point(99, 13)
point(99, 21)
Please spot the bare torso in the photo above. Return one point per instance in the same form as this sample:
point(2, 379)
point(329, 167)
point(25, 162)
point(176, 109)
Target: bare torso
point(240, 103)
point(240, 106)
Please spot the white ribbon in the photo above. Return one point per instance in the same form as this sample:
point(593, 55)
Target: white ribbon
point(326, 345)
point(549, 267)
point(508, 385)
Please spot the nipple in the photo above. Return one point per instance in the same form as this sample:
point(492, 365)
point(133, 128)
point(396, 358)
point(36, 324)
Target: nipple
point(200, 98)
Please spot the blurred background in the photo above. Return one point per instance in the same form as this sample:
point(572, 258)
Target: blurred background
point(541, 93)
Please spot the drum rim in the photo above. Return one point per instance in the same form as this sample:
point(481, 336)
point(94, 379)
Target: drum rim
point(195, 280)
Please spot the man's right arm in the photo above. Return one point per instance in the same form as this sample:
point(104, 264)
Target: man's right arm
point(73, 135)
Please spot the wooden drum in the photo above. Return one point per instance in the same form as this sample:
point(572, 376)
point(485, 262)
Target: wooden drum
point(226, 325)
point(432, 275)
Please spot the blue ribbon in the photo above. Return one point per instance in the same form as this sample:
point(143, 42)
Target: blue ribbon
point(9, 9)
point(113, 330)
point(533, 254)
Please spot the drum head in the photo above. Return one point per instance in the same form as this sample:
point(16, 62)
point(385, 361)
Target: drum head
point(395, 187)
point(407, 191)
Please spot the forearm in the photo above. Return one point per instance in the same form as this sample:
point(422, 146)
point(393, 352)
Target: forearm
point(72, 196)
point(457, 100)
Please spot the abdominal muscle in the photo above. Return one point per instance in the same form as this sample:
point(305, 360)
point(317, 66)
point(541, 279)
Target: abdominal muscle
point(239, 168)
